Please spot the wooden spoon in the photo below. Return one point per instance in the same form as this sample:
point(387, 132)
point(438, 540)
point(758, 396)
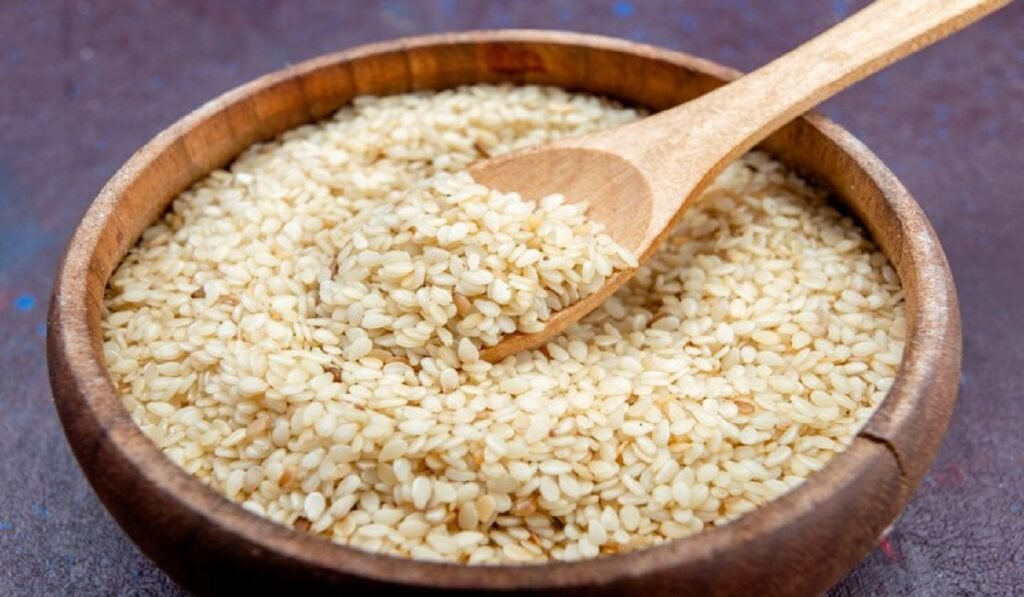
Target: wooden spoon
point(639, 178)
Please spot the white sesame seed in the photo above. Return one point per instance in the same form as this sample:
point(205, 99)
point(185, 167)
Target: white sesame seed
point(314, 505)
point(421, 489)
point(359, 348)
point(252, 386)
point(554, 467)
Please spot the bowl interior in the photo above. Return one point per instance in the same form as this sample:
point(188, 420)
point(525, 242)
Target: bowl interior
point(207, 542)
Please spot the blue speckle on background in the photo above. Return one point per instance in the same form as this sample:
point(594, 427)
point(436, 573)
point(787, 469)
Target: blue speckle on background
point(687, 23)
point(40, 511)
point(41, 329)
point(840, 9)
point(988, 90)
point(623, 9)
point(641, 34)
point(730, 55)
point(942, 111)
point(745, 9)
point(501, 18)
point(25, 302)
point(395, 8)
point(13, 56)
point(6, 525)
point(448, 7)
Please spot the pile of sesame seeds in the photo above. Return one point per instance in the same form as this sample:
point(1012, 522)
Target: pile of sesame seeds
point(454, 265)
point(743, 357)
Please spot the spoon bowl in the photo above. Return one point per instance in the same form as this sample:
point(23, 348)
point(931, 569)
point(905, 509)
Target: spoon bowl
point(588, 173)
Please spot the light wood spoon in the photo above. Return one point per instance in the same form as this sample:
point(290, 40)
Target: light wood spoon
point(640, 177)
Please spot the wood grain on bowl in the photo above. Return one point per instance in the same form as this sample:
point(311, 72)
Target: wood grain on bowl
point(798, 544)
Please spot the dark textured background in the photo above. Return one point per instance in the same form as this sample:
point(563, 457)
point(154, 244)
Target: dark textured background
point(83, 84)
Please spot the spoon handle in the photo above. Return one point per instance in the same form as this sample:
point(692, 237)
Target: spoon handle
point(857, 47)
point(694, 141)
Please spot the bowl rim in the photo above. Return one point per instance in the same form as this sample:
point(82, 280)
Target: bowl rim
point(89, 406)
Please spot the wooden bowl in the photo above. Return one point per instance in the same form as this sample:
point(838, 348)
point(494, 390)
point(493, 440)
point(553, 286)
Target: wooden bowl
point(798, 544)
